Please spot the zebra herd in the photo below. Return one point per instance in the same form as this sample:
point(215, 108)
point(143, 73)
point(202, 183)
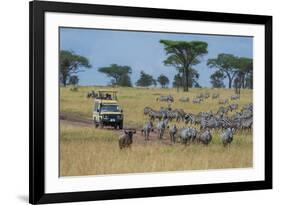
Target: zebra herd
point(227, 119)
point(198, 98)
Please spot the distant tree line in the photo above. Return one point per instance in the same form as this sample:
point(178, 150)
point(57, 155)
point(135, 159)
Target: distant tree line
point(181, 55)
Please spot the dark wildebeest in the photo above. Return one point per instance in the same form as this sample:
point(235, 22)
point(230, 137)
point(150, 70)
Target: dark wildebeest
point(173, 131)
point(227, 136)
point(147, 128)
point(126, 139)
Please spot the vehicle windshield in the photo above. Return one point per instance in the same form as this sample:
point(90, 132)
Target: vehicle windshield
point(110, 108)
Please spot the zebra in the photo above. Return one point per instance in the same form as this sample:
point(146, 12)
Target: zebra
point(146, 110)
point(167, 98)
point(147, 128)
point(227, 136)
point(184, 99)
point(205, 137)
point(161, 126)
point(197, 100)
point(173, 131)
point(211, 123)
point(188, 134)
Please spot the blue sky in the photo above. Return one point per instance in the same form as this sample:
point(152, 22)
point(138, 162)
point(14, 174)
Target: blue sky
point(142, 51)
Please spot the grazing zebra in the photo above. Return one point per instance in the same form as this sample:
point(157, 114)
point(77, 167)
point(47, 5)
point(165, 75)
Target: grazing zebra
point(188, 134)
point(147, 128)
point(227, 136)
point(246, 123)
point(154, 114)
point(173, 131)
point(205, 137)
point(167, 98)
point(211, 123)
point(184, 99)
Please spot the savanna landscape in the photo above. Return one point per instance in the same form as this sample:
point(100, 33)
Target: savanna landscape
point(177, 102)
point(86, 150)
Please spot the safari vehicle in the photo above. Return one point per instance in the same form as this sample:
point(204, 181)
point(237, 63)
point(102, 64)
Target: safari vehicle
point(106, 111)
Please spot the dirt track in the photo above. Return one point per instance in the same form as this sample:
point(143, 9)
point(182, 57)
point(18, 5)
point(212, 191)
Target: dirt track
point(75, 120)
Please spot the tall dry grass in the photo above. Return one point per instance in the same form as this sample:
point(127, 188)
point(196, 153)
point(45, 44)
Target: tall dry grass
point(89, 151)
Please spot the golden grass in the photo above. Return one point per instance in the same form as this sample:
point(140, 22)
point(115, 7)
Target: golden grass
point(89, 151)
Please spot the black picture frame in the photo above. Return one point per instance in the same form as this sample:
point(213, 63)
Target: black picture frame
point(37, 193)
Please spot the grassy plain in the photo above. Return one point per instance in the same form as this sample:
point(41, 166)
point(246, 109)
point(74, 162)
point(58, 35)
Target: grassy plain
point(85, 150)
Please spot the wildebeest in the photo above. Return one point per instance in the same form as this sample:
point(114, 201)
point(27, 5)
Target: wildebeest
point(184, 99)
point(205, 137)
point(161, 126)
point(227, 136)
point(126, 139)
point(147, 128)
point(167, 98)
point(223, 101)
point(173, 131)
point(235, 97)
point(188, 134)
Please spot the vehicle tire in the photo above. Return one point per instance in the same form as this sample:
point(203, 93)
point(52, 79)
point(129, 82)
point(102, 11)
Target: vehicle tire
point(121, 126)
point(115, 126)
point(96, 124)
point(101, 125)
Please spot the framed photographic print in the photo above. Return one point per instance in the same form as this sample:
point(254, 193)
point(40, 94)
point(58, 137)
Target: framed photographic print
point(140, 102)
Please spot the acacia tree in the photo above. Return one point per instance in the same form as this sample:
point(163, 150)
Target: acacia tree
point(163, 80)
point(244, 70)
point(71, 64)
point(145, 80)
point(217, 79)
point(225, 63)
point(182, 55)
point(119, 74)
